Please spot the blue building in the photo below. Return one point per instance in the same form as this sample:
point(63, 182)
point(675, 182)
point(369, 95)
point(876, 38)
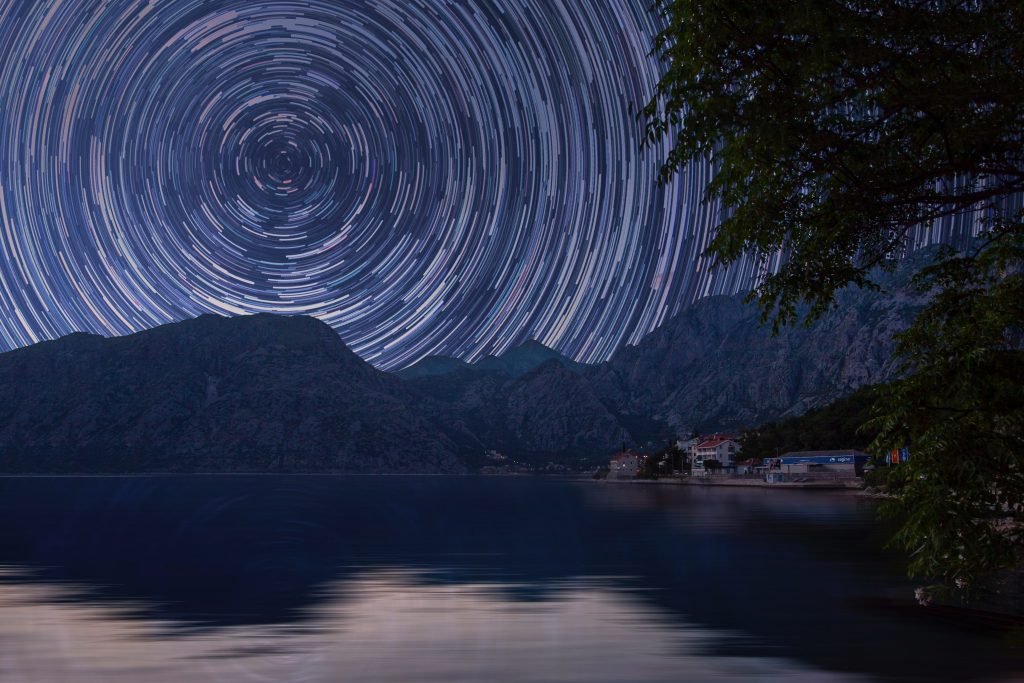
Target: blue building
point(847, 462)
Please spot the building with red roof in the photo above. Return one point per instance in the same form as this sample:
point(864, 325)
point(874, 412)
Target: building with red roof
point(721, 448)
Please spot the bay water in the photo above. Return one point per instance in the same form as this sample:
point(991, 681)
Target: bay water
point(451, 579)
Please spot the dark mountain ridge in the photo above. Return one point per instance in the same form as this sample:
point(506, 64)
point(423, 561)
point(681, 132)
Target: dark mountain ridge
point(279, 393)
point(254, 393)
point(717, 367)
point(514, 363)
point(549, 413)
point(524, 359)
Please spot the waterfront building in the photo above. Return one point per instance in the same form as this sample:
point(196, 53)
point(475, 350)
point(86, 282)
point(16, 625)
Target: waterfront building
point(722, 448)
point(624, 465)
point(842, 463)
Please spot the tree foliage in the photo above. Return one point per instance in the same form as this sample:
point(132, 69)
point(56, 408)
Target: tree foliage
point(837, 126)
point(836, 130)
point(835, 426)
point(961, 408)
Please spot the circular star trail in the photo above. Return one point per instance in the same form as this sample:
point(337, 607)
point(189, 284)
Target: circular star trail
point(425, 176)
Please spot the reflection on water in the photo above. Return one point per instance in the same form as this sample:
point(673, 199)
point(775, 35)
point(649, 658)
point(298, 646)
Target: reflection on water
point(454, 579)
point(387, 626)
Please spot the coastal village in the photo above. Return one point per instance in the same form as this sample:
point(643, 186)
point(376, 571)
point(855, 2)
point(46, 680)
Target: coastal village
point(719, 459)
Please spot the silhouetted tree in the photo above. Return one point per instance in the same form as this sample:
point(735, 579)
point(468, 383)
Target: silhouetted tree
point(835, 128)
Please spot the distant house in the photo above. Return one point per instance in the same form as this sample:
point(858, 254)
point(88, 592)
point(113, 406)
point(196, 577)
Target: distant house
point(722, 448)
point(624, 465)
point(845, 463)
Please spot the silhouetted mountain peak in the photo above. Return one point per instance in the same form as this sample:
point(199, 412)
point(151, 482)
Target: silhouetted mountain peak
point(214, 338)
point(530, 346)
point(259, 328)
point(250, 393)
point(515, 362)
point(524, 358)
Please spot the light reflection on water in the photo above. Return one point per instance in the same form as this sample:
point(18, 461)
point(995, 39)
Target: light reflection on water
point(498, 580)
point(387, 626)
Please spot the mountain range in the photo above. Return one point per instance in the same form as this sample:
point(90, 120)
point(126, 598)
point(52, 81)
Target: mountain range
point(256, 393)
point(277, 393)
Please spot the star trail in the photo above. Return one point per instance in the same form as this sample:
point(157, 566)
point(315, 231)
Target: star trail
point(447, 177)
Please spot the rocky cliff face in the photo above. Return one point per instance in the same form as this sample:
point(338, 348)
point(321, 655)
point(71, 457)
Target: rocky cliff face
point(713, 367)
point(716, 367)
point(257, 393)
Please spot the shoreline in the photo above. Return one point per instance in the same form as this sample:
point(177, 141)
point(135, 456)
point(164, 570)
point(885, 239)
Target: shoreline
point(852, 485)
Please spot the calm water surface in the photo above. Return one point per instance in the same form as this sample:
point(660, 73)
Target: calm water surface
point(446, 579)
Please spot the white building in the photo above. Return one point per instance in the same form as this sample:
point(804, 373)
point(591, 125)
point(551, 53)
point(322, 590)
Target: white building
point(722, 448)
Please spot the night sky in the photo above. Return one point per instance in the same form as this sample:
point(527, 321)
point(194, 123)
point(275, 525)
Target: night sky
point(448, 176)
